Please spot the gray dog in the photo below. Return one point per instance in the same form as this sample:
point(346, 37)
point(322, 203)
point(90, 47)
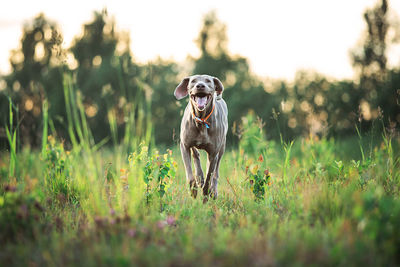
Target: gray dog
point(204, 126)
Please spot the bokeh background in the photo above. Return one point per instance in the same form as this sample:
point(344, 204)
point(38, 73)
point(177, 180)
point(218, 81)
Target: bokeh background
point(302, 67)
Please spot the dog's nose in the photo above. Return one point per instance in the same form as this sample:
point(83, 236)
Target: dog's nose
point(200, 86)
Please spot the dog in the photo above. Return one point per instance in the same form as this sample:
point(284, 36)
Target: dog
point(204, 126)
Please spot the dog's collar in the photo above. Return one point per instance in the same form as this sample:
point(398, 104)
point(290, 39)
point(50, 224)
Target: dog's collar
point(204, 121)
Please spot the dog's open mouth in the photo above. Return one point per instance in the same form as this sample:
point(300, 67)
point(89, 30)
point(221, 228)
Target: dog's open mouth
point(201, 100)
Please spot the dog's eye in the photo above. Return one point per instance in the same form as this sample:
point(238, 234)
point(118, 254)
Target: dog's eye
point(208, 81)
point(193, 81)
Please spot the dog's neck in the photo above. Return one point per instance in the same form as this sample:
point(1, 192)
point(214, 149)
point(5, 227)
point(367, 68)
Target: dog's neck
point(204, 118)
point(204, 113)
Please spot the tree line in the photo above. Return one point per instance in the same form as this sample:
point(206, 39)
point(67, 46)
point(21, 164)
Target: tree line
point(118, 95)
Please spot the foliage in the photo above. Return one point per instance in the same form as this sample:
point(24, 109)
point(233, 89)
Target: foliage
point(157, 171)
point(258, 178)
point(58, 178)
point(12, 140)
point(376, 94)
point(323, 201)
point(160, 78)
point(21, 215)
point(36, 74)
point(251, 136)
point(370, 60)
point(121, 98)
point(309, 207)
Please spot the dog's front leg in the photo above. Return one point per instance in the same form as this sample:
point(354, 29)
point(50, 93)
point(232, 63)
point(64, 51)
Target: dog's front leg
point(214, 181)
point(187, 161)
point(211, 164)
point(197, 166)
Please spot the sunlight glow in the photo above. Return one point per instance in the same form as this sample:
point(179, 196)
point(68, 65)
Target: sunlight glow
point(278, 37)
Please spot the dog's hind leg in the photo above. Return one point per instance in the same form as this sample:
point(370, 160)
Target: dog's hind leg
point(197, 165)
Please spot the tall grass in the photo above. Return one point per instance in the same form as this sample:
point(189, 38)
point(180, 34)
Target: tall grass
point(129, 204)
point(11, 133)
point(45, 113)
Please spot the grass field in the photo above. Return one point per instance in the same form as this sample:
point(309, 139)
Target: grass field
point(312, 201)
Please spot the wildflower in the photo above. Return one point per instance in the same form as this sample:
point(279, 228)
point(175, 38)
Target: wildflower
point(10, 188)
point(261, 158)
point(171, 220)
point(161, 224)
point(144, 230)
point(131, 232)
point(249, 162)
point(23, 211)
point(254, 169)
point(112, 212)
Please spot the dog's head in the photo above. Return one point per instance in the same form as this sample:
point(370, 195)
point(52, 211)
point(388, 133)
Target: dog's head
point(201, 88)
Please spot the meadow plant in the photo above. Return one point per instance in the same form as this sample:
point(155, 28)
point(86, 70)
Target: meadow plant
point(11, 133)
point(301, 203)
point(21, 215)
point(158, 172)
point(258, 178)
point(58, 177)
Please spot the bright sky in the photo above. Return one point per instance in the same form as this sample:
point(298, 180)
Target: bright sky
point(278, 37)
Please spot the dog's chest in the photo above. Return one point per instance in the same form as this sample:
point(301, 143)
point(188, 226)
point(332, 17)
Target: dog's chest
point(201, 139)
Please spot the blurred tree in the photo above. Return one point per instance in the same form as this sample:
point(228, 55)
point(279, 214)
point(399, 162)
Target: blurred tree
point(160, 77)
point(212, 39)
point(36, 74)
point(376, 88)
point(120, 96)
point(370, 59)
point(243, 91)
point(316, 105)
point(105, 74)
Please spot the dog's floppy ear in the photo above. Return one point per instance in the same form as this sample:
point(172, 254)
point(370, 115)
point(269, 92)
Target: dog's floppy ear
point(218, 86)
point(182, 89)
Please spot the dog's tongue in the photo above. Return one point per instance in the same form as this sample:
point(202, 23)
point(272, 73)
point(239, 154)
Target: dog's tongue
point(201, 101)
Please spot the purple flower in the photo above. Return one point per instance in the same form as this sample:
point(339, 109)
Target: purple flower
point(161, 224)
point(131, 232)
point(171, 220)
point(112, 212)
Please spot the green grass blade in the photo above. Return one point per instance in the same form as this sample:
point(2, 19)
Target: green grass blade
point(45, 125)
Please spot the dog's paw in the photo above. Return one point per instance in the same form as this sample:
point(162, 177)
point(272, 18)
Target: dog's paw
point(201, 183)
point(206, 190)
point(193, 188)
point(214, 193)
point(213, 189)
point(193, 192)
